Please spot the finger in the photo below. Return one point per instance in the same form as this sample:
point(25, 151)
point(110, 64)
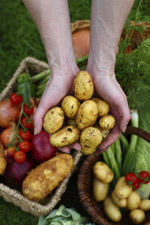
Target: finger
point(76, 146)
point(114, 135)
point(64, 149)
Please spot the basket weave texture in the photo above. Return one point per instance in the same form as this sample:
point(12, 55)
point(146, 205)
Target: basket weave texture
point(12, 195)
point(85, 177)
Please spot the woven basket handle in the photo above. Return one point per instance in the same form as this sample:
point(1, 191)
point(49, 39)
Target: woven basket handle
point(131, 130)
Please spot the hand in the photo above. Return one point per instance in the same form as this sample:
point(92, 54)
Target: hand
point(108, 88)
point(58, 86)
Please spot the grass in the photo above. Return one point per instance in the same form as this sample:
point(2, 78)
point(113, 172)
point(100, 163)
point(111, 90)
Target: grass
point(19, 38)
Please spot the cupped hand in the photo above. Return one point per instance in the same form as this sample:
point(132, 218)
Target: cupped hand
point(107, 87)
point(58, 86)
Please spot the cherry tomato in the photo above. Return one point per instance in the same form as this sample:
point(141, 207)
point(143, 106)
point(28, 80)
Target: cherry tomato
point(26, 123)
point(136, 186)
point(24, 146)
point(10, 151)
point(28, 109)
point(26, 136)
point(15, 99)
point(130, 177)
point(144, 177)
point(19, 156)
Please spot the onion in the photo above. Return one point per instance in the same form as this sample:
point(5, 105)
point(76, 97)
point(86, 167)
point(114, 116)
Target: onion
point(81, 42)
point(41, 149)
point(8, 112)
point(16, 172)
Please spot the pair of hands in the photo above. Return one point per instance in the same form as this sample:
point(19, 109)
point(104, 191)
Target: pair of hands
point(106, 86)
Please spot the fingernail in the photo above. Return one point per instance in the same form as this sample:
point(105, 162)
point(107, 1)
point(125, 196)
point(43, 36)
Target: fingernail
point(123, 129)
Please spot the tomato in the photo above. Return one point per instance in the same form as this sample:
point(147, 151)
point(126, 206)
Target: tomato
point(26, 136)
point(26, 123)
point(10, 151)
point(144, 177)
point(16, 99)
point(24, 146)
point(130, 177)
point(136, 185)
point(28, 109)
point(19, 156)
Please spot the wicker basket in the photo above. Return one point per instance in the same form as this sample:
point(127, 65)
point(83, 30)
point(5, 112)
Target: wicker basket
point(85, 176)
point(33, 66)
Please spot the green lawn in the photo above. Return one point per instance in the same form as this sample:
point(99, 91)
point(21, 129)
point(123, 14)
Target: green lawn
point(19, 38)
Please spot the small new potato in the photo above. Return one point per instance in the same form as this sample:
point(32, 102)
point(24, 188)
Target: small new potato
point(70, 105)
point(3, 161)
point(145, 204)
point(102, 172)
point(133, 201)
point(87, 114)
point(104, 132)
point(53, 120)
point(122, 203)
point(111, 210)
point(83, 87)
point(66, 136)
point(103, 106)
point(137, 216)
point(122, 189)
point(100, 189)
point(107, 122)
point(90, 139)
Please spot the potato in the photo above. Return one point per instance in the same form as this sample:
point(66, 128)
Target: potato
point(107, 122)
point(133, 201)
point(53, 120)
point(137, 216)
point(103, 106)
point(42, 180)
point(145, 204)
point(111, 210)
point(102, 172)
point(122, 189)
point(87, 114)
point(104, 132)
point(90, 139)
point(3, 161)
point(100, 189)
point(71, 122)
point(70, 105)
point(122, 203)
point(83, 87)
point(66, 136)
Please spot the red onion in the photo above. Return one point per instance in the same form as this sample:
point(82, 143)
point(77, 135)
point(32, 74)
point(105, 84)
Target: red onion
point(41, 149)
point(16, 172)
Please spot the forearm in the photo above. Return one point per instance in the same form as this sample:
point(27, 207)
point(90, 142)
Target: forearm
point(107, 21)
point(53, 21)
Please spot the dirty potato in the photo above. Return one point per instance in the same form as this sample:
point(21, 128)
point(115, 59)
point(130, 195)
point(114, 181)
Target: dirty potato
point(107, 122)
point(90, 139)
point(83, 87)
point(87, 114)
point(103, 106)
point(53, 120)
point(66, 136)
point(70, 105)
point(42, 180)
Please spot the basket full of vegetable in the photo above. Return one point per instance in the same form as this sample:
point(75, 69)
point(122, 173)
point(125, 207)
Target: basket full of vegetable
point(114, 186)
point(25, 156)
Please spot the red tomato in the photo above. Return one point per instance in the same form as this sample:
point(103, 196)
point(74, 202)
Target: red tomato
point(26, 136)
point(28, 109)
point(10, 151)
point(19, 156)
point(136, 185)
point(15, 99)
point(130, 177)
point(144, 177)
point(26, 123)
point(24, 146)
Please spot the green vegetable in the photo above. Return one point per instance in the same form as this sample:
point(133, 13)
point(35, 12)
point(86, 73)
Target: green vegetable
point(129, 161)
point(25, 87)
point(63, 216)
point(118, 153)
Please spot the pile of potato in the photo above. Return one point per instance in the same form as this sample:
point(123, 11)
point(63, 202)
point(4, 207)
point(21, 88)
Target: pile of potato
point(121, 197)
point(87, 117)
